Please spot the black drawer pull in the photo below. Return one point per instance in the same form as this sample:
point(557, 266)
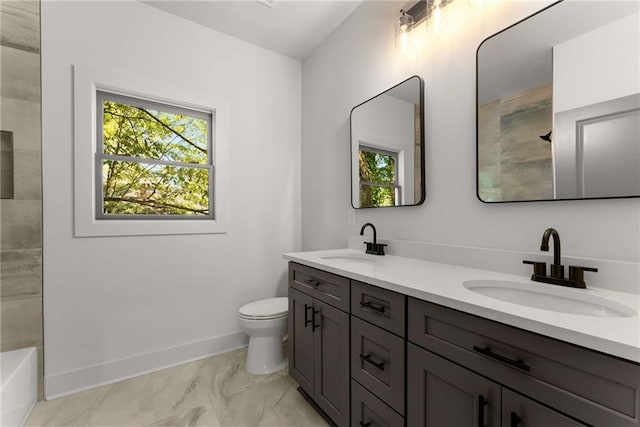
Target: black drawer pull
point(307, 321)
point(313, 320)
point(367, 358)
point(363, 424)
point(515, 420)
point(515, 363)
point(371, 306)
point(313, 283)
point(482, 402)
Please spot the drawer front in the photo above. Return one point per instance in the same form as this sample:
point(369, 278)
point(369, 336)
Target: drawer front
point(518, 410)
point(377, 362)
point(368, 410)
point(327, 287)
point(381, 307)
point(595, 388)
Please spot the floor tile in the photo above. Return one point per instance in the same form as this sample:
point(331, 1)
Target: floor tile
point(212, 392)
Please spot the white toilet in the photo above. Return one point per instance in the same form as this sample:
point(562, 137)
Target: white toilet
point(265, 321)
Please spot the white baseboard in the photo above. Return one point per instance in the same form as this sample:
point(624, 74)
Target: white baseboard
point(63, 384)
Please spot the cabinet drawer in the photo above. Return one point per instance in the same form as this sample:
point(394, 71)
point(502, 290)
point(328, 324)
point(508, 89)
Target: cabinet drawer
point(520, 411)
point(590, 386)
point(368, 410)
point(379, 306)
point(377, 362)
point(327, 287)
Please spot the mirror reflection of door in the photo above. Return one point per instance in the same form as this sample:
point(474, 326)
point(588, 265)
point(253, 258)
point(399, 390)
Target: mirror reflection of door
point(387, 148)
point(558, 105)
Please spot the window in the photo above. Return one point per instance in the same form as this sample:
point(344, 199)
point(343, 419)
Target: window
point(378, 177)
point(152, 160)
point(145, 167)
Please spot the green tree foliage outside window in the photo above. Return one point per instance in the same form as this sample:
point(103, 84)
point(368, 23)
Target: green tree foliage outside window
point(154, 162)
point(378, 178)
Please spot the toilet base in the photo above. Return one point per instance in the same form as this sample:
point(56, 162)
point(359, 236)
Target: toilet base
point(265, 355)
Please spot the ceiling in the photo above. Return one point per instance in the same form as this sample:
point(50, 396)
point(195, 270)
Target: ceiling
point(293, 28)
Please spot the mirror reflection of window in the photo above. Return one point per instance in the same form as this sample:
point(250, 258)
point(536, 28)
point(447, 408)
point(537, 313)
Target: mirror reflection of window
point(387, 148)
point(378, 171)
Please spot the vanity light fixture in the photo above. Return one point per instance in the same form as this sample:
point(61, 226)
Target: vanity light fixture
point(404, 25)
point(424, 10)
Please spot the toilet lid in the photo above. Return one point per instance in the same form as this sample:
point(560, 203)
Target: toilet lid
point(271, 307)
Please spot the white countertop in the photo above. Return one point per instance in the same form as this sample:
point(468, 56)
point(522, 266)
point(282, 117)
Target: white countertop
point(443, 284)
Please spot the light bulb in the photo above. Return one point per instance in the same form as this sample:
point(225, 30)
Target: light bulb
point(437, 17)
point(404, 41)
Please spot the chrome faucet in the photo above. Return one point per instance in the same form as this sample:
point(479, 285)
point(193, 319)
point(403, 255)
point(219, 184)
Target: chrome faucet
point(373, 248)
point(576, 272)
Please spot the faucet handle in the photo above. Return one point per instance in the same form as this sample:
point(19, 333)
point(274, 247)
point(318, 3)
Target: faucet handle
point(576, 274)
point(539, 268)
point(375, 248)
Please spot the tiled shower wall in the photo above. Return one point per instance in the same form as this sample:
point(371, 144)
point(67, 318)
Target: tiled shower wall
point(514, 163)
point(20, 179)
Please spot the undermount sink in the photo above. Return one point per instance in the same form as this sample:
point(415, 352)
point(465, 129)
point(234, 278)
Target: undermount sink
point(350, 258)
point(547, 297)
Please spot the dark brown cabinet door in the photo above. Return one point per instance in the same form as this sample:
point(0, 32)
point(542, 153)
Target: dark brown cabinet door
point(301, 354)
point(518, 411)
point(331, 370)
point(441, 393)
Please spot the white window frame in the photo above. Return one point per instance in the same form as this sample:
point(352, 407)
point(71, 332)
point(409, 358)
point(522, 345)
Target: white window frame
point(101, 97)
point(86, 223)
point(397, 186)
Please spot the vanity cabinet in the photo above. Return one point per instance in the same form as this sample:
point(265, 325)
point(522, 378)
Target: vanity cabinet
point(443, 393)
point(373, 357)
point(319, 340)
point(590, 387)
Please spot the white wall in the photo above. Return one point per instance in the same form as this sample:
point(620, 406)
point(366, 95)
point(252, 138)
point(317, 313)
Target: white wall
point(587, 70)
point(598, 66)
point(359, 60)
point(119, 306)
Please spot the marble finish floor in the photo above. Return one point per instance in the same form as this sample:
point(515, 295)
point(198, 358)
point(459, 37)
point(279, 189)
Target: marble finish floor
point(211, 392)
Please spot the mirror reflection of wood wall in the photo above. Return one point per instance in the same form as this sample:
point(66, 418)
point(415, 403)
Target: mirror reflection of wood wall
point(417, 154)
point(514, 163)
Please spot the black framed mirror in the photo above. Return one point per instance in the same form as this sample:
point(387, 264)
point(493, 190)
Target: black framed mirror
point(558, 105)
point(387, 148)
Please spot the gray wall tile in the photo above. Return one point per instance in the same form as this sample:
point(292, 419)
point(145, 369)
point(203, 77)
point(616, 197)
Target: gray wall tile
point(21, 323)
point(21, 273)
point(20, 24)
point(20, 74)
point(27, 172)
point(22, 118)
point(20, 224)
